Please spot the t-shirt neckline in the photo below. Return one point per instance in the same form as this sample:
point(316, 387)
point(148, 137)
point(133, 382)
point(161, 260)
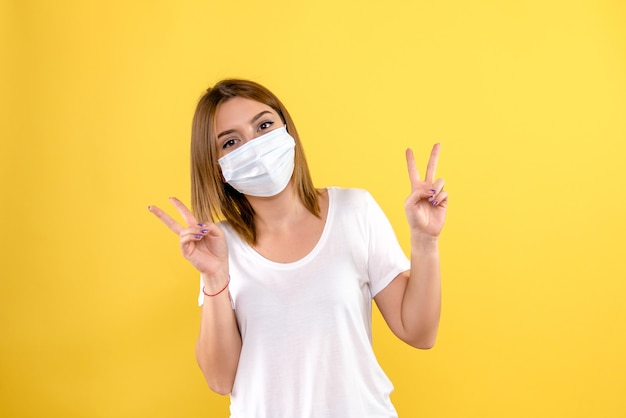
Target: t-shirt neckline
point(308, 257)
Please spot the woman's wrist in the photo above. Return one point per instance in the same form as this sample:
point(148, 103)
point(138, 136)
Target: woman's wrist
point(210, 295)
point(424, 242)
point(214, 284)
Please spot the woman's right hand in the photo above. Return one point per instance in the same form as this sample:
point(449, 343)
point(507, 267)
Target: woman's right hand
point(203, 244)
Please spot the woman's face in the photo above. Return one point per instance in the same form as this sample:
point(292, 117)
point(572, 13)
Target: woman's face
point(240, 120)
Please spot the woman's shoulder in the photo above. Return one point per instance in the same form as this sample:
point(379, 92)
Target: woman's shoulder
point(349, 196)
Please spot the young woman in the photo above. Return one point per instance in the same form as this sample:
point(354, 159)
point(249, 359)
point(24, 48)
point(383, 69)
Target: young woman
point(289, 272)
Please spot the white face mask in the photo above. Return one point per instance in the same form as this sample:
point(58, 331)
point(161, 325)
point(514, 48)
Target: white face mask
point(263, 166)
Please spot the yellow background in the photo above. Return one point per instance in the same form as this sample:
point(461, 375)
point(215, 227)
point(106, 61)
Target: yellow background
point(98, 309)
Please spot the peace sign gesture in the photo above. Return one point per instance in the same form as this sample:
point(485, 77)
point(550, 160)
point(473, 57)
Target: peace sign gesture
point(202, 244)
point(425, 207)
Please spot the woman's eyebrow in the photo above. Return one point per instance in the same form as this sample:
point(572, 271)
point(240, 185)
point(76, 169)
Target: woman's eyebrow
point(254, 119)
point(230, 131)
point(259, 115)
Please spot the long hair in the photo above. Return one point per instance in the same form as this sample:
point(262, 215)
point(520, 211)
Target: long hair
point(211, 197)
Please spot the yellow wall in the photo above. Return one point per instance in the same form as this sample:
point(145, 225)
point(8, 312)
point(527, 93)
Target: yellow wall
point(528, 99)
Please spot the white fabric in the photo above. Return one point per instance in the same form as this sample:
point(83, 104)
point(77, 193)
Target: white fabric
point(306, 325)
point(262, 167)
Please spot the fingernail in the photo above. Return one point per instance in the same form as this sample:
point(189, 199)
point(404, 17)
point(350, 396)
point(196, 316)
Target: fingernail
point(430, 199)
point(435, 203)
point(204, 231)
point(198, 236)
point(149, 207)
point(433, 191)
point(200, 225)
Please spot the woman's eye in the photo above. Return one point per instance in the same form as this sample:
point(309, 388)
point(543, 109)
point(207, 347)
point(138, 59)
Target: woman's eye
point(265, 125)
point(229, 143)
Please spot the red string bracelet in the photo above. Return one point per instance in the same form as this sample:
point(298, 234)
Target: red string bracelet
point(215, 294)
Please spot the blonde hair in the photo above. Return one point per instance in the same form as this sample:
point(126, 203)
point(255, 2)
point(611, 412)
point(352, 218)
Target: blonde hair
point(211, 197)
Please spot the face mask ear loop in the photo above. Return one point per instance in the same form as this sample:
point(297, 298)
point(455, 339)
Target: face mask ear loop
point(280, 113)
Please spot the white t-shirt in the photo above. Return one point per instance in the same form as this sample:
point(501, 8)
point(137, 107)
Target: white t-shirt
point(306, 325)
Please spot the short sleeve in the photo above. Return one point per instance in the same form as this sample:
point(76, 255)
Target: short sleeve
point(386, 259)
point(201, 294)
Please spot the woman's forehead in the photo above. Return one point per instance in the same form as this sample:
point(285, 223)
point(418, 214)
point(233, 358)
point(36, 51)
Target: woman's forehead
point(239, 110)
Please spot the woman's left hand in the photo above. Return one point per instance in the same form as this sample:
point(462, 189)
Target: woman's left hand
point(426, 205)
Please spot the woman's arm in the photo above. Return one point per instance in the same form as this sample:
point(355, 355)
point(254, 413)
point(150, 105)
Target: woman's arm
point(411, 303)
point(219, 343)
